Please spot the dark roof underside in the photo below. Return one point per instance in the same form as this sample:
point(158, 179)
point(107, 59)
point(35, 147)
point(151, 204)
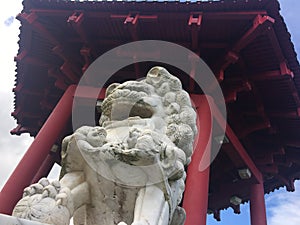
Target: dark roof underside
point(245, 43)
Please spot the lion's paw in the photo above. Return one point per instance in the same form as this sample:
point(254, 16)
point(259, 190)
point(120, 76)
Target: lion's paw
point(46, 202)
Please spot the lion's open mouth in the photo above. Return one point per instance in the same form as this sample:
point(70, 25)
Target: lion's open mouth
point(124, 103)
point(141, 109)
point(123, 109)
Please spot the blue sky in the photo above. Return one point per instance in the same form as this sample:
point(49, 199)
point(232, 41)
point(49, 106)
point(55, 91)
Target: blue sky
point(282, 207)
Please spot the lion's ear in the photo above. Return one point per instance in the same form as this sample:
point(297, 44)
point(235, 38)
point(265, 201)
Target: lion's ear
point(110, 89)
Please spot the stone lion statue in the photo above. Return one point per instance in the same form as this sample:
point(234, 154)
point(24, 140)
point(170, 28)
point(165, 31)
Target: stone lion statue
point(128, 170)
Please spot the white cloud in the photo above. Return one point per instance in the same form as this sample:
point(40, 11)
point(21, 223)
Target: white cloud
point(283, 207)
point(12, 148)
point(9, 40)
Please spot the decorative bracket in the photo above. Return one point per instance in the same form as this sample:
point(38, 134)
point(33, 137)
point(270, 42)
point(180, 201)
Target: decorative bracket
point(195, 18)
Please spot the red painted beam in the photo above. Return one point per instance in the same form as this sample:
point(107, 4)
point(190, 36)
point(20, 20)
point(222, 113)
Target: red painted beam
point(58, 75)
point(90, 92)
point(284, 69)
point(195, 200)
point(260, 25)
point(22, 58)
point(30, 164)
point(238, 15)
point(243, 154)
point(237, 145)
point(131, 21)
point(67, 55)
point(235, 158)
point(133, 18)
point(70, 71)
point(231, 89)
point(268, 75)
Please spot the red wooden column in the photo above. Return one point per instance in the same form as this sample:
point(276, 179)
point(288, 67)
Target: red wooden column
point(36, 154)
point(196, 193)
point(257, 205)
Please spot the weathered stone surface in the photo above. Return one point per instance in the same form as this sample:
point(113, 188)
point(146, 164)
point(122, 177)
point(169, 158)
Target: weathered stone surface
point(11, 220)
point(128, 170)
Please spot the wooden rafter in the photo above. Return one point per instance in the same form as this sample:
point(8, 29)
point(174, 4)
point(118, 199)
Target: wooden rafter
point(260, 25)
point(31, 20)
